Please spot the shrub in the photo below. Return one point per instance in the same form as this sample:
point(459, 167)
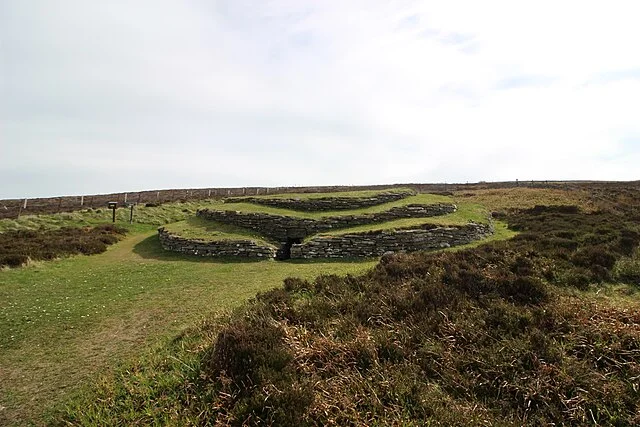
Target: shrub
point(628, 270)
point(13, 260)
point(245, 350)
point(525, 290)
point(18, 246)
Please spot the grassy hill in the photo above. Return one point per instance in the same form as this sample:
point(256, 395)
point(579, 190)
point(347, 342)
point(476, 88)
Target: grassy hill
point(536, 329)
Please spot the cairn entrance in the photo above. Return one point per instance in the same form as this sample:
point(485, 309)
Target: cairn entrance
point(284, 252)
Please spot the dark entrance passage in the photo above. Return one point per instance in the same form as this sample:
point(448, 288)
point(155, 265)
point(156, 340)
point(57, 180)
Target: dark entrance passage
point(285, 250)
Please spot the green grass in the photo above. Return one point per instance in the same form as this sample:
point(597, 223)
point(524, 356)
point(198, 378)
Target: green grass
point(196, 228)
point(159, 215)
point(62, 321)
point(350, 194)
point(420, 199)
point(173, 212)
point(467, 212)
point(200, 229)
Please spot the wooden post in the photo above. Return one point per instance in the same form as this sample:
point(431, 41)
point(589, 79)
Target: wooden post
point(209, 193)
point(125, 197)
point(60, 204)
point(157, 195)
point(25, 204)
point(81, 200)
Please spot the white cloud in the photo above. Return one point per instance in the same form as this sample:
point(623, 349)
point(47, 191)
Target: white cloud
point(292, 92)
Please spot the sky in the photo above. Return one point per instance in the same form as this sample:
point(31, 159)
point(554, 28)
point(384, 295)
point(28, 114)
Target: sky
point(108, 96)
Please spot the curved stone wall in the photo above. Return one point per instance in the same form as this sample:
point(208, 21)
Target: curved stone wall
point(281, 227)
point(220, 248)
point(376, 243)
point(324, 203)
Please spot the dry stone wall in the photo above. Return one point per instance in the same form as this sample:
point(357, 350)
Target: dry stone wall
point(376, 243)
point(282, 228)
point(323, 204)
point(220, 248)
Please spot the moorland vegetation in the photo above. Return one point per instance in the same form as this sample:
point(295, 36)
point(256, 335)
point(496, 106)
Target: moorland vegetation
point(505, 333)
point(540, 328)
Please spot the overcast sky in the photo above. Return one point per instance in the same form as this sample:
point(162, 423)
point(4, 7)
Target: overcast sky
point(105, 96)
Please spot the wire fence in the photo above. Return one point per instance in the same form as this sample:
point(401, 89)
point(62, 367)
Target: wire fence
point(14, 208)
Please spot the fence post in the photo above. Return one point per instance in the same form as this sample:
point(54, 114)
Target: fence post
point(81, 200)
point(125, 197)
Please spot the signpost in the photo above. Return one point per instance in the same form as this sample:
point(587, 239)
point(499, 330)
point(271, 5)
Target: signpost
point(113, 206)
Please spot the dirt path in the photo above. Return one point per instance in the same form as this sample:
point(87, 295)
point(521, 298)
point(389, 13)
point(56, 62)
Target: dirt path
point(41, 372)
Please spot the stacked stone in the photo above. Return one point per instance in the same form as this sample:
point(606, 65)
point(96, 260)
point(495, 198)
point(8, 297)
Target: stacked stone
point(218, 248)
point(322, 204)
point(281, 227)
point(376, 243)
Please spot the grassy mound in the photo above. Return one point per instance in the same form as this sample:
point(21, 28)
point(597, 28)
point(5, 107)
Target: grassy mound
point(419, 199)
point(202, 229)
point(196, 228)
point(465, 214)
point(503, 334)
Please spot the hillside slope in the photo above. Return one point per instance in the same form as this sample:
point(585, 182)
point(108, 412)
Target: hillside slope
point(539, 329)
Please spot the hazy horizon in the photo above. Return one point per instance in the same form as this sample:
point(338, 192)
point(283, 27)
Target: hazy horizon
point(523, 183)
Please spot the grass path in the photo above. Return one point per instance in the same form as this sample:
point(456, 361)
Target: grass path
point(63, 321)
